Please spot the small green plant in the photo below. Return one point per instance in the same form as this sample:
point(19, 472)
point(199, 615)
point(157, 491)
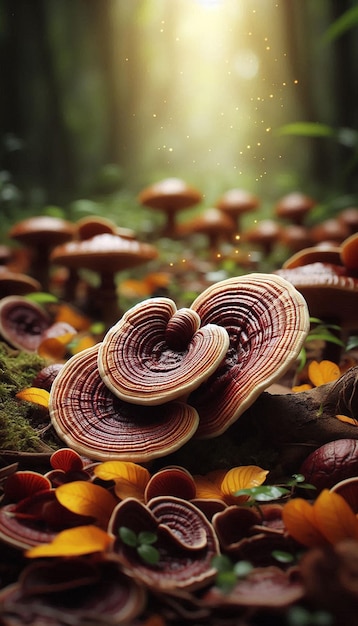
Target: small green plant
point(320, 331)
point(228, 573)
point(142, 542)
point(299, 616)
point(270, 493)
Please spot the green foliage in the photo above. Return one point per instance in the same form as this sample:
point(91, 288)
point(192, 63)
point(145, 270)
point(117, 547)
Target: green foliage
point(320, 331)
point(271, 493)
point(299, 616)
point(228, 573)
point(142, 542)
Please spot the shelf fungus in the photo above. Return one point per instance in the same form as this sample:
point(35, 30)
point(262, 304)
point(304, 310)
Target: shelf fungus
point(185, 541)
point(156, 353)
point(96, 423)
point(22, 323)
point(267, 321)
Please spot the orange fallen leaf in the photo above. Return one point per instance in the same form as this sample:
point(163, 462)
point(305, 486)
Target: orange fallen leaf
point(82, 343)
point(86, 498)
point(299, 520)
point(36, 395)
point(66, 313)
point(323, 372)
point(55, 347)
point(207, 489)
point(304, 387)
point(348, 420)
point(130, 478)
point(73, 542)
point(334, 517)
point(243, 477)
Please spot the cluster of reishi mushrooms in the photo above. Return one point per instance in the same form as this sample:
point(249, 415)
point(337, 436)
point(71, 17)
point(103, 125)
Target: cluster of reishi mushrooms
point(162, 376)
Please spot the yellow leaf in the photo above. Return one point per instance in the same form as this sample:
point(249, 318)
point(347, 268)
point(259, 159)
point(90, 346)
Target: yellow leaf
point(304, 387)
point(87, 341)
point(55, 347)
point(299, 520)
point(243, 477)
point(334, 517)
point(73, 542)
point(348, 420)
point(206, 489)
point(86, 498)
point(323, 372)
point(66, 313)
point(36, 395)
point(130, 478)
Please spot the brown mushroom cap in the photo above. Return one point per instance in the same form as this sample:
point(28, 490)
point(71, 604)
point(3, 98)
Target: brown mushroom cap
point(332, 230)
point(349, 253)
point(349, 217)
point(267, 321)
point(42, 230)
point(329, 291)
point(156, 353)
point(213, 223)
point(265, 234)
point(295, 237)
point(294, 207)
point(97, 424)
point(103, 253)
point(236, 202)
point(328, 253)
point(170, 195)
point(16, 283)
point(22, 322)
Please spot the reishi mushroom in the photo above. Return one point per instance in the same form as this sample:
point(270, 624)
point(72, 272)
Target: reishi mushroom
point(156, 353)
point(236, 202)
point(267, 322)
point(96, 423)
point(170, 195)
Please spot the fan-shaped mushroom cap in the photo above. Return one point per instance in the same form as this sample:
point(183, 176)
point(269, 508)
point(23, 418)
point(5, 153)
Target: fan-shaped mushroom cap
point(328, 290)
point(22, 322)
point(157, 353)
point(267, 321)
point(327, 253)
point(16, 283)
point(349, 253)
point(97, 424)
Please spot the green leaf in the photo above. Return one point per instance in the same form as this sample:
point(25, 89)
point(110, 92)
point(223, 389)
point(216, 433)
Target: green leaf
point(265, 493)
point(307, 129)
point(226, 581)
point(128, 536)
point(324, 336)
point(346, 21)
point(298, 478)
point(222, 563)
point(283, 557)
point(243, 569)
point(145, 537)
point(41, 297)
point(352, 343)
point(148, 554)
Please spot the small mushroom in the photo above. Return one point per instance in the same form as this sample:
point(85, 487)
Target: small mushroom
point(331, 230)
point(41, 234)
point(22, 323)
point(16, 283)
point(265, 234)
point(156, 353)
point(267, 321)
point(295, 237)
point(106, 254)
point(294, 207)
point(170, 196)
point(235, 203)
point(214, 224)
point(96, 423)
point(349, 217)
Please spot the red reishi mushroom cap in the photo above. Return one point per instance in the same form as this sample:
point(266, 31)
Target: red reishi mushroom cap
point(267, 321)
point(96, 423)
point(22, 322)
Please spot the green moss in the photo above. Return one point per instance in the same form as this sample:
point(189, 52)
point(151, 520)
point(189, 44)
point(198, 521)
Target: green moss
point(19, 420)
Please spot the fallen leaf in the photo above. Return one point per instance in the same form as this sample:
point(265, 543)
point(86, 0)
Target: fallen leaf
point(86, 498)
point(243, 477)
point(334, 517)
point(130, 478)
point(36, 395)
point(73, 542)
point(348, 420)
point(299, 520)
point(323, 372)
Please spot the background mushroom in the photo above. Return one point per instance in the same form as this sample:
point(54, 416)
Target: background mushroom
point(267, 321)
point(105, 254)
point(96, 423)
point(214, 224)
point(294, 207)
point(235, 203)
point(170, 196)
point(22, 322)
point(40, 234)
point(156, 353)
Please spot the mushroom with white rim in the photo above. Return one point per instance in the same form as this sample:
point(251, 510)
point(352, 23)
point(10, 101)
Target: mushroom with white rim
point(96, 423)
point(267, 320)
point(156, 353)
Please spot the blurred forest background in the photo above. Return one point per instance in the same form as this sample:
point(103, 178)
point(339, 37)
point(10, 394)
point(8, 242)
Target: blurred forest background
point(102, 97)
